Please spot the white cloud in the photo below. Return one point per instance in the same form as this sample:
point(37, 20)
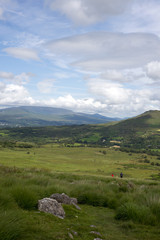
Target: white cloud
point(46, 86)
point(113, 101)
point(113, 75)
point(6, 75)
point(22, 53)
point(14, 94)
point(22, 78)
point(120, 100)
point(143, 17)
point(100, 51)
point(111, 93)
point(85, 12)
point(88, 105)
point(153, 70)
point(19, 79)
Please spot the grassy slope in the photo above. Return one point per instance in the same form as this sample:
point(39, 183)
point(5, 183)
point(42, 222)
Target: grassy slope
point(75, 171)
point(145, 122)
point(32, 225)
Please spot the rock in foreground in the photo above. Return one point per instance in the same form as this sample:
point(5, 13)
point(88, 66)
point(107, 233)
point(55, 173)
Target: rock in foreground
point(49, 205)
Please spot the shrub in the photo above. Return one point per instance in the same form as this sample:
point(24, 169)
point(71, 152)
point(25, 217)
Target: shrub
point(139, 214)
point(24, 197)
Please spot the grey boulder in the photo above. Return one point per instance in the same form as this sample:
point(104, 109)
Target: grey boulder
point(49, 205)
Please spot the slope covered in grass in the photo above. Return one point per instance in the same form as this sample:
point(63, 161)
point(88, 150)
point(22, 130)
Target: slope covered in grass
point(117, 208)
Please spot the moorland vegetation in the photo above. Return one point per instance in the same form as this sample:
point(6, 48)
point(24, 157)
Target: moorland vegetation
point(80, 161)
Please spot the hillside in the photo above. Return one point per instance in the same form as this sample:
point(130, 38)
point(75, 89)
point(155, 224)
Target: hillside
point(139, 125)
point(141, 133)
point(28, 116)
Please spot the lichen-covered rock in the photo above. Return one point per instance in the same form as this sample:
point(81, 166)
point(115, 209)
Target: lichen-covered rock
point(63, 198)
point(49, 205)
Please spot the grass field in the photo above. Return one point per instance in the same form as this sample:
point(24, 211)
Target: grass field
point(82, 160)
point(127, 208)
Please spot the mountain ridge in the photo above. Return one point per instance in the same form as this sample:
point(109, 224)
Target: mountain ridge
point(25, 116)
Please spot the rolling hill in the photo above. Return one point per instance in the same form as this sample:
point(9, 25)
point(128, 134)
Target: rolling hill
point(139, 125)
point(140, 133)
point(27, 116)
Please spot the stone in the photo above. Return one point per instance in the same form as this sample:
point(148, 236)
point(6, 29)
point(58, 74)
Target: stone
point(96, 233)
point(65, 199)
point(76, 206)
point(70, 235)
point(92, 226)
point(49, 205)
point(74, 233)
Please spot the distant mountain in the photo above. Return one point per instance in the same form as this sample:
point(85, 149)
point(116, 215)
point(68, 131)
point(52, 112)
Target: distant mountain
point(27, 116)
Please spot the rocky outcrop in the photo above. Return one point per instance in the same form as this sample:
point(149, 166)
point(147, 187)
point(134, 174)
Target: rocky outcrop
point(50, 205)
point(65, 199)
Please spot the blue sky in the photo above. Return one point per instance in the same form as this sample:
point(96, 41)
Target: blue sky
point(92, 56)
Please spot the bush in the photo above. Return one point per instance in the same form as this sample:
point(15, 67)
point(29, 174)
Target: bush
point(24, 197)
point(139, 214)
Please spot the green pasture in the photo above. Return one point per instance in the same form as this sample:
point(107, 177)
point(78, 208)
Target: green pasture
point(81, 161)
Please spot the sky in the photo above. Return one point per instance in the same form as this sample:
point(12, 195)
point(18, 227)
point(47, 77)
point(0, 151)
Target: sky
point(90, 56)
